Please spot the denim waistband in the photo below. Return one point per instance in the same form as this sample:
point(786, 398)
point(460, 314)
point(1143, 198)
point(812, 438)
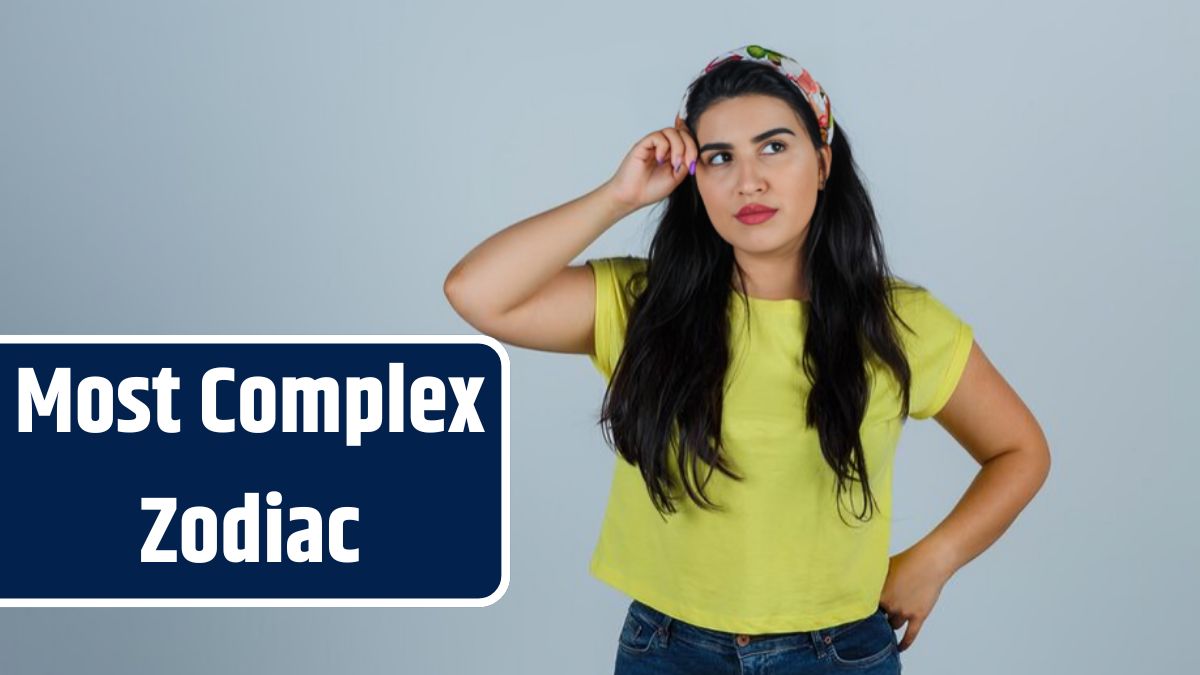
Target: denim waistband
point(722, 641)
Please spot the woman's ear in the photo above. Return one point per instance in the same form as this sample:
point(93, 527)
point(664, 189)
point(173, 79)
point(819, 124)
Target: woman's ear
point(826, 162)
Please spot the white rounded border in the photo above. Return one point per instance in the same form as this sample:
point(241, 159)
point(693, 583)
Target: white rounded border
point(302, 602)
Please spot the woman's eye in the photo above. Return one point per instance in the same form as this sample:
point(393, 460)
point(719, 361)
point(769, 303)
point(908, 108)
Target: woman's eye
point(716, 158)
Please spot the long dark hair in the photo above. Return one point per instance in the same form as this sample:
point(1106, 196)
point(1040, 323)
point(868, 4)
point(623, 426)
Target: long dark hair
point(669, 380)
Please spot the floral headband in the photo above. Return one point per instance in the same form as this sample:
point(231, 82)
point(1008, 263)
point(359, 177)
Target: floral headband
point(813, 92)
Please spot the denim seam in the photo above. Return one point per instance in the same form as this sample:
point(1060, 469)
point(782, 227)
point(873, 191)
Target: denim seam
point(709, 646)
point(637, 611)
point(772, 652)
point(637, 634)
point(866, 660)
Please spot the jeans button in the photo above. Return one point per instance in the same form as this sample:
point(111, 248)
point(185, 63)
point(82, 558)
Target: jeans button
point(828, 639)
point(743, 640)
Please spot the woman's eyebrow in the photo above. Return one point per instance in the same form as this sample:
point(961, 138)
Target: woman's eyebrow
point(761, 137)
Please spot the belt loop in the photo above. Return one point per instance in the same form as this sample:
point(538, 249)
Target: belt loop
point(665, 629)
point(818, 641)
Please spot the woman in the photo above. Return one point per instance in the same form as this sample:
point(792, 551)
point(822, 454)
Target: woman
point(761, 360)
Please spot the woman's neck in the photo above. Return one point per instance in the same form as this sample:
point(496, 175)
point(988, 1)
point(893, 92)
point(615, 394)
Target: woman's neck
point(771, 281)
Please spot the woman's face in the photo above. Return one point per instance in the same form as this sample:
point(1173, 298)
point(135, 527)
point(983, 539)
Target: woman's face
point(754, 151)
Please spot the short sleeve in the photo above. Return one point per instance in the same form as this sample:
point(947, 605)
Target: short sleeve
point(937, 349)
point(613, 302)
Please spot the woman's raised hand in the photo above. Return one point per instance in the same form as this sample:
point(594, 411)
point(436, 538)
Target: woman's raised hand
point(654, 167)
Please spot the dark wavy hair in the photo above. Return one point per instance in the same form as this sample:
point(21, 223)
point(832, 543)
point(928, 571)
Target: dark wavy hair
point(668, 382)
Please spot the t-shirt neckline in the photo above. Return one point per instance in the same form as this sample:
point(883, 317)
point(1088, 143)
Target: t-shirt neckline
point(770, 302)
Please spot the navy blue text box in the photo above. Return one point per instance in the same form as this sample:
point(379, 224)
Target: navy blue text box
point(432, 519)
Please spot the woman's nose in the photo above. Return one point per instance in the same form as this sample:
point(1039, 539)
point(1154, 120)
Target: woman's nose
point(751, 180)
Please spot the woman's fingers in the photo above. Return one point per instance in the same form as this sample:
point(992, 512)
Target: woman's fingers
point(683, 148)
point(653, 145)
point(693, 150)
point(670, 144)
point(678, 147)
point(663, 148)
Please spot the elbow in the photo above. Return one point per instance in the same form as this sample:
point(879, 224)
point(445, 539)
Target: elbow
point(450, 288)
point(464, 300)
point(1039, 462)
point(1028, 463)
point(1038, 452)
point(455, 290)
point(1043, 453)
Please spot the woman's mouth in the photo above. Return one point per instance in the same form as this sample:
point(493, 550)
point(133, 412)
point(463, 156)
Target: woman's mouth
point(755, 217)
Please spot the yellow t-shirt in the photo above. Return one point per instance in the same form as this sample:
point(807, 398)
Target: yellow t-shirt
point(779, 558)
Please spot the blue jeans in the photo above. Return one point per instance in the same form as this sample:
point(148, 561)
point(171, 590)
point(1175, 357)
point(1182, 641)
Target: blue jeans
point(652, 642)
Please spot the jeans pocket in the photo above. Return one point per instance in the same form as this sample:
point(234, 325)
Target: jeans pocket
point(637, 634)
point(864, 643)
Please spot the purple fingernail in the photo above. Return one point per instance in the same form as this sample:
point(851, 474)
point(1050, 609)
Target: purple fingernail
point(692, 167)
point(661, 161)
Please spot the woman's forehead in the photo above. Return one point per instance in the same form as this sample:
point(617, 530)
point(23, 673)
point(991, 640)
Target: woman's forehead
point(739, 119)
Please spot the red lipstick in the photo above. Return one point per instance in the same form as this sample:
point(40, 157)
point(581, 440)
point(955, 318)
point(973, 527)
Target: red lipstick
point(753, 214)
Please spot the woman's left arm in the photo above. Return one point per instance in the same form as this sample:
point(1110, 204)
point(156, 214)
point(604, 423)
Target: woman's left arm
point(991, 423)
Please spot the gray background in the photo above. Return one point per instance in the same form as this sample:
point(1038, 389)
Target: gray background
point(253, 167)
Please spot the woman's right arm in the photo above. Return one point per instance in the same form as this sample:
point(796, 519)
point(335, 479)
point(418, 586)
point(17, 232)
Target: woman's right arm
point(518, 286)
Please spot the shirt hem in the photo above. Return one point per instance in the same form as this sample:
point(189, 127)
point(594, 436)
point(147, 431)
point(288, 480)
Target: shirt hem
point(721, 622)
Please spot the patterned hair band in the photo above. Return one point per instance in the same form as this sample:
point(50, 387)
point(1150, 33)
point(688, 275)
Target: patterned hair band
point(812, 90)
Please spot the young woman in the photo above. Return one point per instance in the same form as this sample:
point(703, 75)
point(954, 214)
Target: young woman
point(761, 360)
